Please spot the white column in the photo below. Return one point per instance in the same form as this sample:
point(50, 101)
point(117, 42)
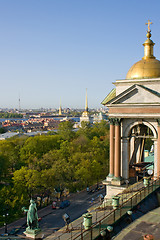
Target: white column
point(112, 130)
point(158, 151)
point(155, 158)
point(132, 145)
point(117, 157)
point(125, 158)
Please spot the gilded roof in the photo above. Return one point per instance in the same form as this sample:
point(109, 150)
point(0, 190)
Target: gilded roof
point(144, 69)
point(149, 66)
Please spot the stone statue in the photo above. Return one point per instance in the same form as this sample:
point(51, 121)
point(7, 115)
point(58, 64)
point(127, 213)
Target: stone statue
point(32, 216)
point(32, 220)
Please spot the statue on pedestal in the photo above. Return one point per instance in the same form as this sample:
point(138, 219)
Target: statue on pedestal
point(32, 216)
point(32, 220)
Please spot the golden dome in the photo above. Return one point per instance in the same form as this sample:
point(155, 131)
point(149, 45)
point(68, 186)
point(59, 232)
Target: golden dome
point(149, 66)
point(85, 114)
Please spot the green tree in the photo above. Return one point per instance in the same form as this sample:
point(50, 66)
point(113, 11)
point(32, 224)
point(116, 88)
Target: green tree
point(97, 170)
point(26, 181)
point(84, 129)
point(37, 146)
point(2, 130)
point(10, 203)
point(3, 167)
point(83, 170)
point(100, 129)
point(65, 129)
point(10, 151)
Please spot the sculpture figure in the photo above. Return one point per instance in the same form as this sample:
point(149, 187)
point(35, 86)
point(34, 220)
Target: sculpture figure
point(32, 216)
point(32, 229)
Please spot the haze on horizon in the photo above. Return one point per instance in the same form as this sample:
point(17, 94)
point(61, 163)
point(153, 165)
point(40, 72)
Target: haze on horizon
point(55, 49)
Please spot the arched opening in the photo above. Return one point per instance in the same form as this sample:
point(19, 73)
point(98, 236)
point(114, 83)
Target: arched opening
point(141, 151)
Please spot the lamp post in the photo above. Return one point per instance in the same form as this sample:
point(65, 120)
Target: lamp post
point(5, 222)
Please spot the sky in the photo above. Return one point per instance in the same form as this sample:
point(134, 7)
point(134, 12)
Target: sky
point(52, 50)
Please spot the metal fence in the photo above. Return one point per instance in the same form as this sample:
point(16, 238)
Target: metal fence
point(128, 199)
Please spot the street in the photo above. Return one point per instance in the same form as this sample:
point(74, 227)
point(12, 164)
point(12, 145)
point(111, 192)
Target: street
point(80, 202)
point(52, 218)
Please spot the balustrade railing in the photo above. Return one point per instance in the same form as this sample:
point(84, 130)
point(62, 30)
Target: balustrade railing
point(128, 199)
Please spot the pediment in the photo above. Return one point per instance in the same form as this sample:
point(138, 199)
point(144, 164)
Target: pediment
point(137, 94)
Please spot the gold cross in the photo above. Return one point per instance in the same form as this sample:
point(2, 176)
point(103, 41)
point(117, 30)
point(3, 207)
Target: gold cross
point(149, 23)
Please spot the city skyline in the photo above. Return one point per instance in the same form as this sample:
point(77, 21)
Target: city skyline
point(51, 51)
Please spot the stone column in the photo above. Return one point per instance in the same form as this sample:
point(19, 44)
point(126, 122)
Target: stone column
point(132, 145)
point(112, 129)
point(158, 150)
point(117, 150)
point(125, 158)
point(155, 157)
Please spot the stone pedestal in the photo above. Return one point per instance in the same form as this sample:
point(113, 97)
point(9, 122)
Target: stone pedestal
point(117, 181)
point(109, 178)
point(33, 233)
point(113, 189)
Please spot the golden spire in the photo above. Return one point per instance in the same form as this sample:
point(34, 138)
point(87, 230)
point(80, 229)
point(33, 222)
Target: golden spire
point(60, 108)
point(148, 44)
point(86, 106)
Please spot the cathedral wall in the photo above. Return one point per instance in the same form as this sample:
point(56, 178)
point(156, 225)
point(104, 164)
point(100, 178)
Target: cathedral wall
point(154, 110)
point(122, 85)
point(126, 126)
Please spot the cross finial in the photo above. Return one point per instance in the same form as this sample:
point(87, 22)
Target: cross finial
point(149, 23)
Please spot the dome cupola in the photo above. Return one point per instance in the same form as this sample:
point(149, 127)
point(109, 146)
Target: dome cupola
point(149, 66)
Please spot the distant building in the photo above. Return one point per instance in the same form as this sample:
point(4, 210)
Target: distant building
point(60, 110)
point(97, 118)
point(85, 115)
point(7, 135)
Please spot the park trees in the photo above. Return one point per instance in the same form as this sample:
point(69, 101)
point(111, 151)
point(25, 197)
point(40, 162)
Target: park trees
point(10, 151)
point(36, 147)
point(26, 181)
point(3, 167)
point(37, 165)
point(65, 130)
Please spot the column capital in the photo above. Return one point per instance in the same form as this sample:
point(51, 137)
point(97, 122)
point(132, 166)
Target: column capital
point(117, 121)
point(112, 121)
point(158, 121)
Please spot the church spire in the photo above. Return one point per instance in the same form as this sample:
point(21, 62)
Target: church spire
point(86, 106)
point(148, 44)
point(60, 109)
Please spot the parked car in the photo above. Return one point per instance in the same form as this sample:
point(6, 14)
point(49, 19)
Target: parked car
point(64, 204)
point(14, 231)
point(54, 205)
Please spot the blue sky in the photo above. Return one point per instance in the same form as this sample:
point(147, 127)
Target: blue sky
point(55, 49)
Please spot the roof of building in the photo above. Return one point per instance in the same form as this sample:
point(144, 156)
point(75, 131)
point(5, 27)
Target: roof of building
point(147, 224)
point(109, 97)
point(8, 135)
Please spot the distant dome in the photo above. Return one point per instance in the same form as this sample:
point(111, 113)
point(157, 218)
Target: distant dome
point(149, 66)
point(85, 114)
